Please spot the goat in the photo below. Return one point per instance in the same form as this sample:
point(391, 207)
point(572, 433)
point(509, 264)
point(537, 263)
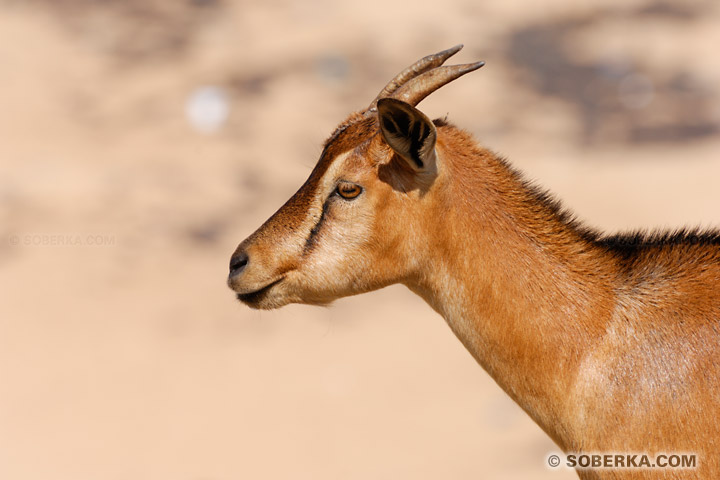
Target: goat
point(609, 342)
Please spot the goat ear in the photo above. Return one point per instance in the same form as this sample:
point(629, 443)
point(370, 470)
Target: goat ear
point(409, 133)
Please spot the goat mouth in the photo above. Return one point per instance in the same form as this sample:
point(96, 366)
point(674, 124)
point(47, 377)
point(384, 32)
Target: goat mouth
point(256, 296)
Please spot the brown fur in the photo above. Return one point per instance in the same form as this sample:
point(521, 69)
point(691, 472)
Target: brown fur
point(609, 343)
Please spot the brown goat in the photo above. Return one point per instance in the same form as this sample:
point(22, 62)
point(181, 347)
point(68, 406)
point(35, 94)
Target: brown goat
point(610, 343)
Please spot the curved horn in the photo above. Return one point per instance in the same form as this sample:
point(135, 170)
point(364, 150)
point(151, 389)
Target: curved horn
point(423, 85)
point(417, 68)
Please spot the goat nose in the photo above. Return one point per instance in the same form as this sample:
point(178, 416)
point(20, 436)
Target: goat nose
point(238, 262)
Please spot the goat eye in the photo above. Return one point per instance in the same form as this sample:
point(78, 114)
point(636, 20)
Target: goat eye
point(348, 190)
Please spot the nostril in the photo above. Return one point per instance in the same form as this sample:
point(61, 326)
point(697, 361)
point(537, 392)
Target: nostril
point(238, 262)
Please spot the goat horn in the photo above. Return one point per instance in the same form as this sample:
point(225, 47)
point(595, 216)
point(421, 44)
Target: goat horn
point(417, 68)
point(423, 85)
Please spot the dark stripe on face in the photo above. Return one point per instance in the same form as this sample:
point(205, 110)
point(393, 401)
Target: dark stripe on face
point(346, 137)
point(311, 240)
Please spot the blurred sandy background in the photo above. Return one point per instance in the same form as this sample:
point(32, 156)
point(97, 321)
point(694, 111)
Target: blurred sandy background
point(141, 140)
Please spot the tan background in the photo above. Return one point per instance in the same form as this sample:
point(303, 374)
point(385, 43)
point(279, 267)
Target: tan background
point(122, 353)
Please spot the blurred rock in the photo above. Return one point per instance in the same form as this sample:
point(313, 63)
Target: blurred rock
point(333, 68)
point(636, 91)
point(207, 109)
